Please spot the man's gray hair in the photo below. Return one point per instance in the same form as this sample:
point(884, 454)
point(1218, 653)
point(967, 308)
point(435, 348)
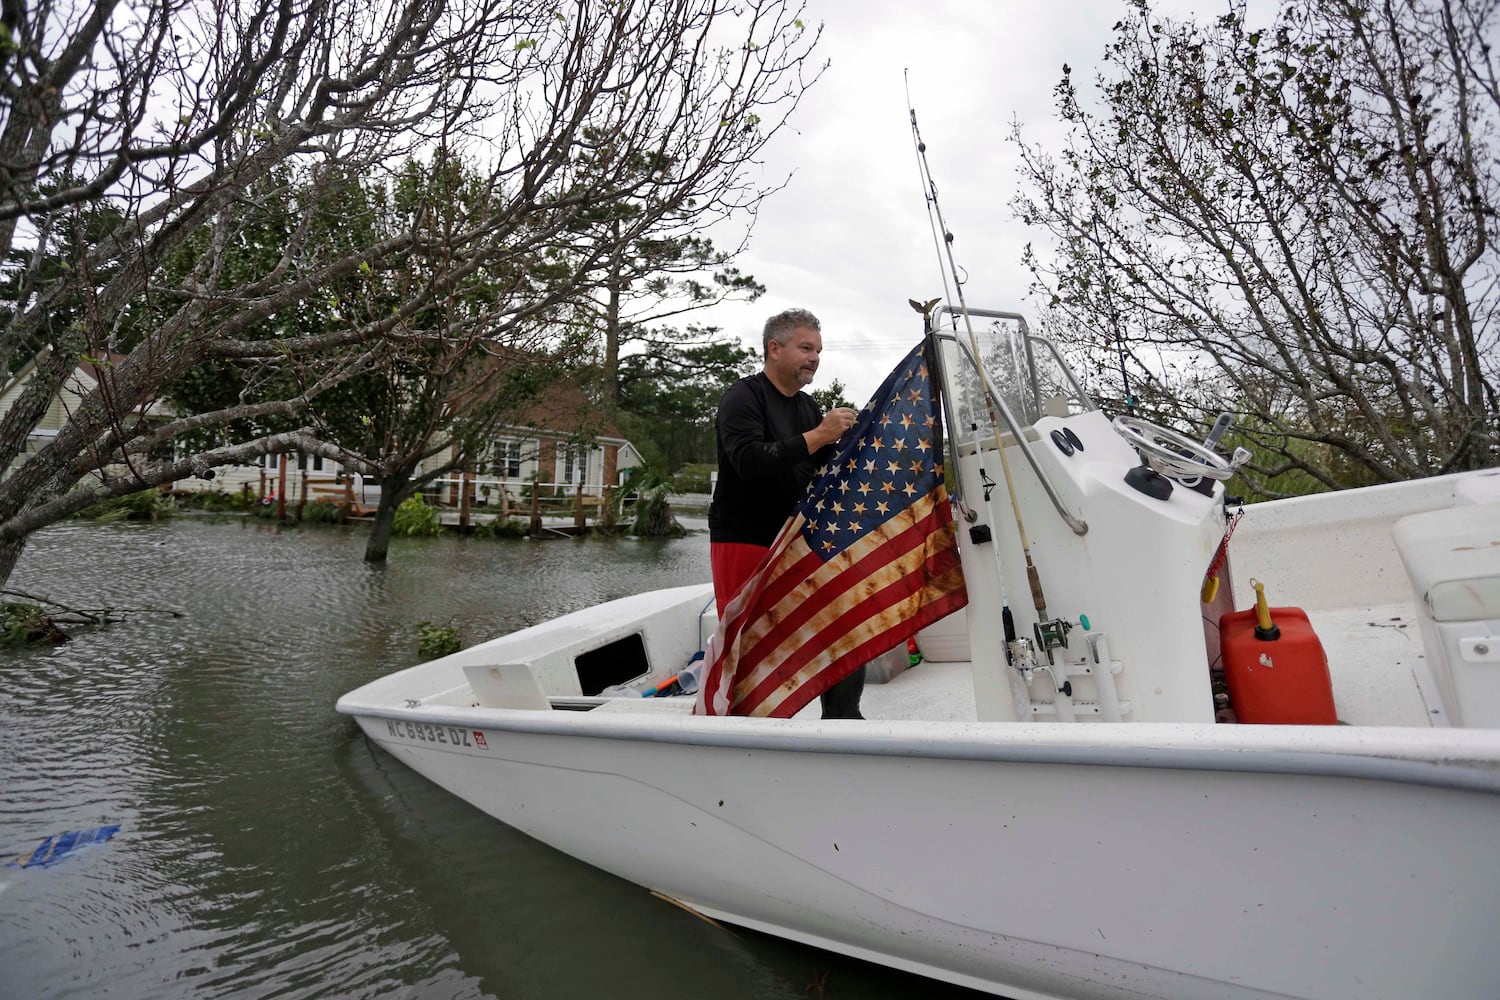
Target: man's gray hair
point(779, 327)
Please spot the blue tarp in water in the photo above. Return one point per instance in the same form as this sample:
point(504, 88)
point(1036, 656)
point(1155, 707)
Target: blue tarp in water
point(53, 849)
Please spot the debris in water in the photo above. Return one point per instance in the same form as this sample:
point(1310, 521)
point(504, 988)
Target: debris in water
point(53, 849)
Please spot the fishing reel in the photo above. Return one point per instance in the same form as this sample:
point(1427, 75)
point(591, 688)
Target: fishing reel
point(1026, 654)
point(1052, 634)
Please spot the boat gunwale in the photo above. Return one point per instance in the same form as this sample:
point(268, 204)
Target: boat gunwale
point(1456, 759)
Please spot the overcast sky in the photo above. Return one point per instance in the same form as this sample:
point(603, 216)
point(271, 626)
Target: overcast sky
point(849, 237)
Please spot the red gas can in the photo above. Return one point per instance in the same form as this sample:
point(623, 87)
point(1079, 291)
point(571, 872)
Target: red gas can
point(1281, 681)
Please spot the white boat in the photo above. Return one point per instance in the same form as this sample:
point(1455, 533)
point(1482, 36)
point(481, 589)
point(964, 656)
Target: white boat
point(1057, 814)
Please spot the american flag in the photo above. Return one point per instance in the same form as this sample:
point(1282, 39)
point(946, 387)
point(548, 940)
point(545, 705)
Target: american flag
point(867, 559)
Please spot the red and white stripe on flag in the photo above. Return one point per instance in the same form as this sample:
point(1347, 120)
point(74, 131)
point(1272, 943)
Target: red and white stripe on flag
point(868, 559)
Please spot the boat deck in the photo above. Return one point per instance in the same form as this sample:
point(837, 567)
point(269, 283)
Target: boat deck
point(1372, 655)
point(930, 692)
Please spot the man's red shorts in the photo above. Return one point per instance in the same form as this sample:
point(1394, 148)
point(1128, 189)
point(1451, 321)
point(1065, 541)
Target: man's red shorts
point(732, 563)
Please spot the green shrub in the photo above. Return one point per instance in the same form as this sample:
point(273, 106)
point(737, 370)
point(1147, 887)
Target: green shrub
point(321, 512)
point(21, 624)
point(146, 505)
point(216, 501)
point(414, 519)
point(507, 527)
point(437, 640)
point(653, 514)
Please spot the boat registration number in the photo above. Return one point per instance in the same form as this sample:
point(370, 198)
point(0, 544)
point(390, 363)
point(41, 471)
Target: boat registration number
point(428, 733)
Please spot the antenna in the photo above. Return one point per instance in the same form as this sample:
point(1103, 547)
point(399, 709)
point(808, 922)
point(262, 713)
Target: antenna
point(945, 250)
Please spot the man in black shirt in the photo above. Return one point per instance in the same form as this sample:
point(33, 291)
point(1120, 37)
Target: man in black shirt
point(771, 440)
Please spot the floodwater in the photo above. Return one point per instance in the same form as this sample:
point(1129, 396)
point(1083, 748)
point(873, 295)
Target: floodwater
point(265, 848)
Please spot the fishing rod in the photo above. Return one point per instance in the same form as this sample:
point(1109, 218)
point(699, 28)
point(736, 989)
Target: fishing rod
point(935, 216)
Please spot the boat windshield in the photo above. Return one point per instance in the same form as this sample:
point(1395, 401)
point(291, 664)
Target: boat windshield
point(1025, 369)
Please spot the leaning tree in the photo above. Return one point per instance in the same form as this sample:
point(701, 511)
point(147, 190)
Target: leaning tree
point(1294, 222)
point(426, 399)
point(177, 119)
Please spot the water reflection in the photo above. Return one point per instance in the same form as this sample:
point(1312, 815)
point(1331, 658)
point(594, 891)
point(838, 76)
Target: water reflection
point(266, 849)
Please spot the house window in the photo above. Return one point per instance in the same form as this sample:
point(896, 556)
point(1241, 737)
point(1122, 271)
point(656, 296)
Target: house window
point(506, 461)
point(572, 465)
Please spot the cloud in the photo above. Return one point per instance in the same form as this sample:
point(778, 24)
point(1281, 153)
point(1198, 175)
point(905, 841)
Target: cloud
point(849, 237)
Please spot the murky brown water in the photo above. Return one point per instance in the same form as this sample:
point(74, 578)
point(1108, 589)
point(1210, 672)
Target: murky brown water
point(265, 848)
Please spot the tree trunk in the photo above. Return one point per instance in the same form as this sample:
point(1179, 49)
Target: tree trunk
point(10, 551)
point(379, 543)
point(607, 508)
point(393, 490)
point(609, 398)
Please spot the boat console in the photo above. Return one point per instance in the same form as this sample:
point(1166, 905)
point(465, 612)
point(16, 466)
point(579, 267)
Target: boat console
point(1094, 536)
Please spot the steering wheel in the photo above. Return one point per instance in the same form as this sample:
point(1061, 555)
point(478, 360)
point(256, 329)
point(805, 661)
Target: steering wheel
point(1173, 454)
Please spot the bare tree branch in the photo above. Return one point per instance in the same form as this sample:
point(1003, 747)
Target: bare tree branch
point(1295, 222)
point(202, 186)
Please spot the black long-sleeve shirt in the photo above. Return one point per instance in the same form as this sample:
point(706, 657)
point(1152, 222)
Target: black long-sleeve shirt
point(764, 466)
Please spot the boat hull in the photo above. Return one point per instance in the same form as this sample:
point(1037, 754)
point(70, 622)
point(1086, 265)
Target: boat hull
point(1027, 860)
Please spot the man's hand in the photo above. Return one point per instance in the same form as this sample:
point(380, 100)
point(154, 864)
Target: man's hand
point(838, 420)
